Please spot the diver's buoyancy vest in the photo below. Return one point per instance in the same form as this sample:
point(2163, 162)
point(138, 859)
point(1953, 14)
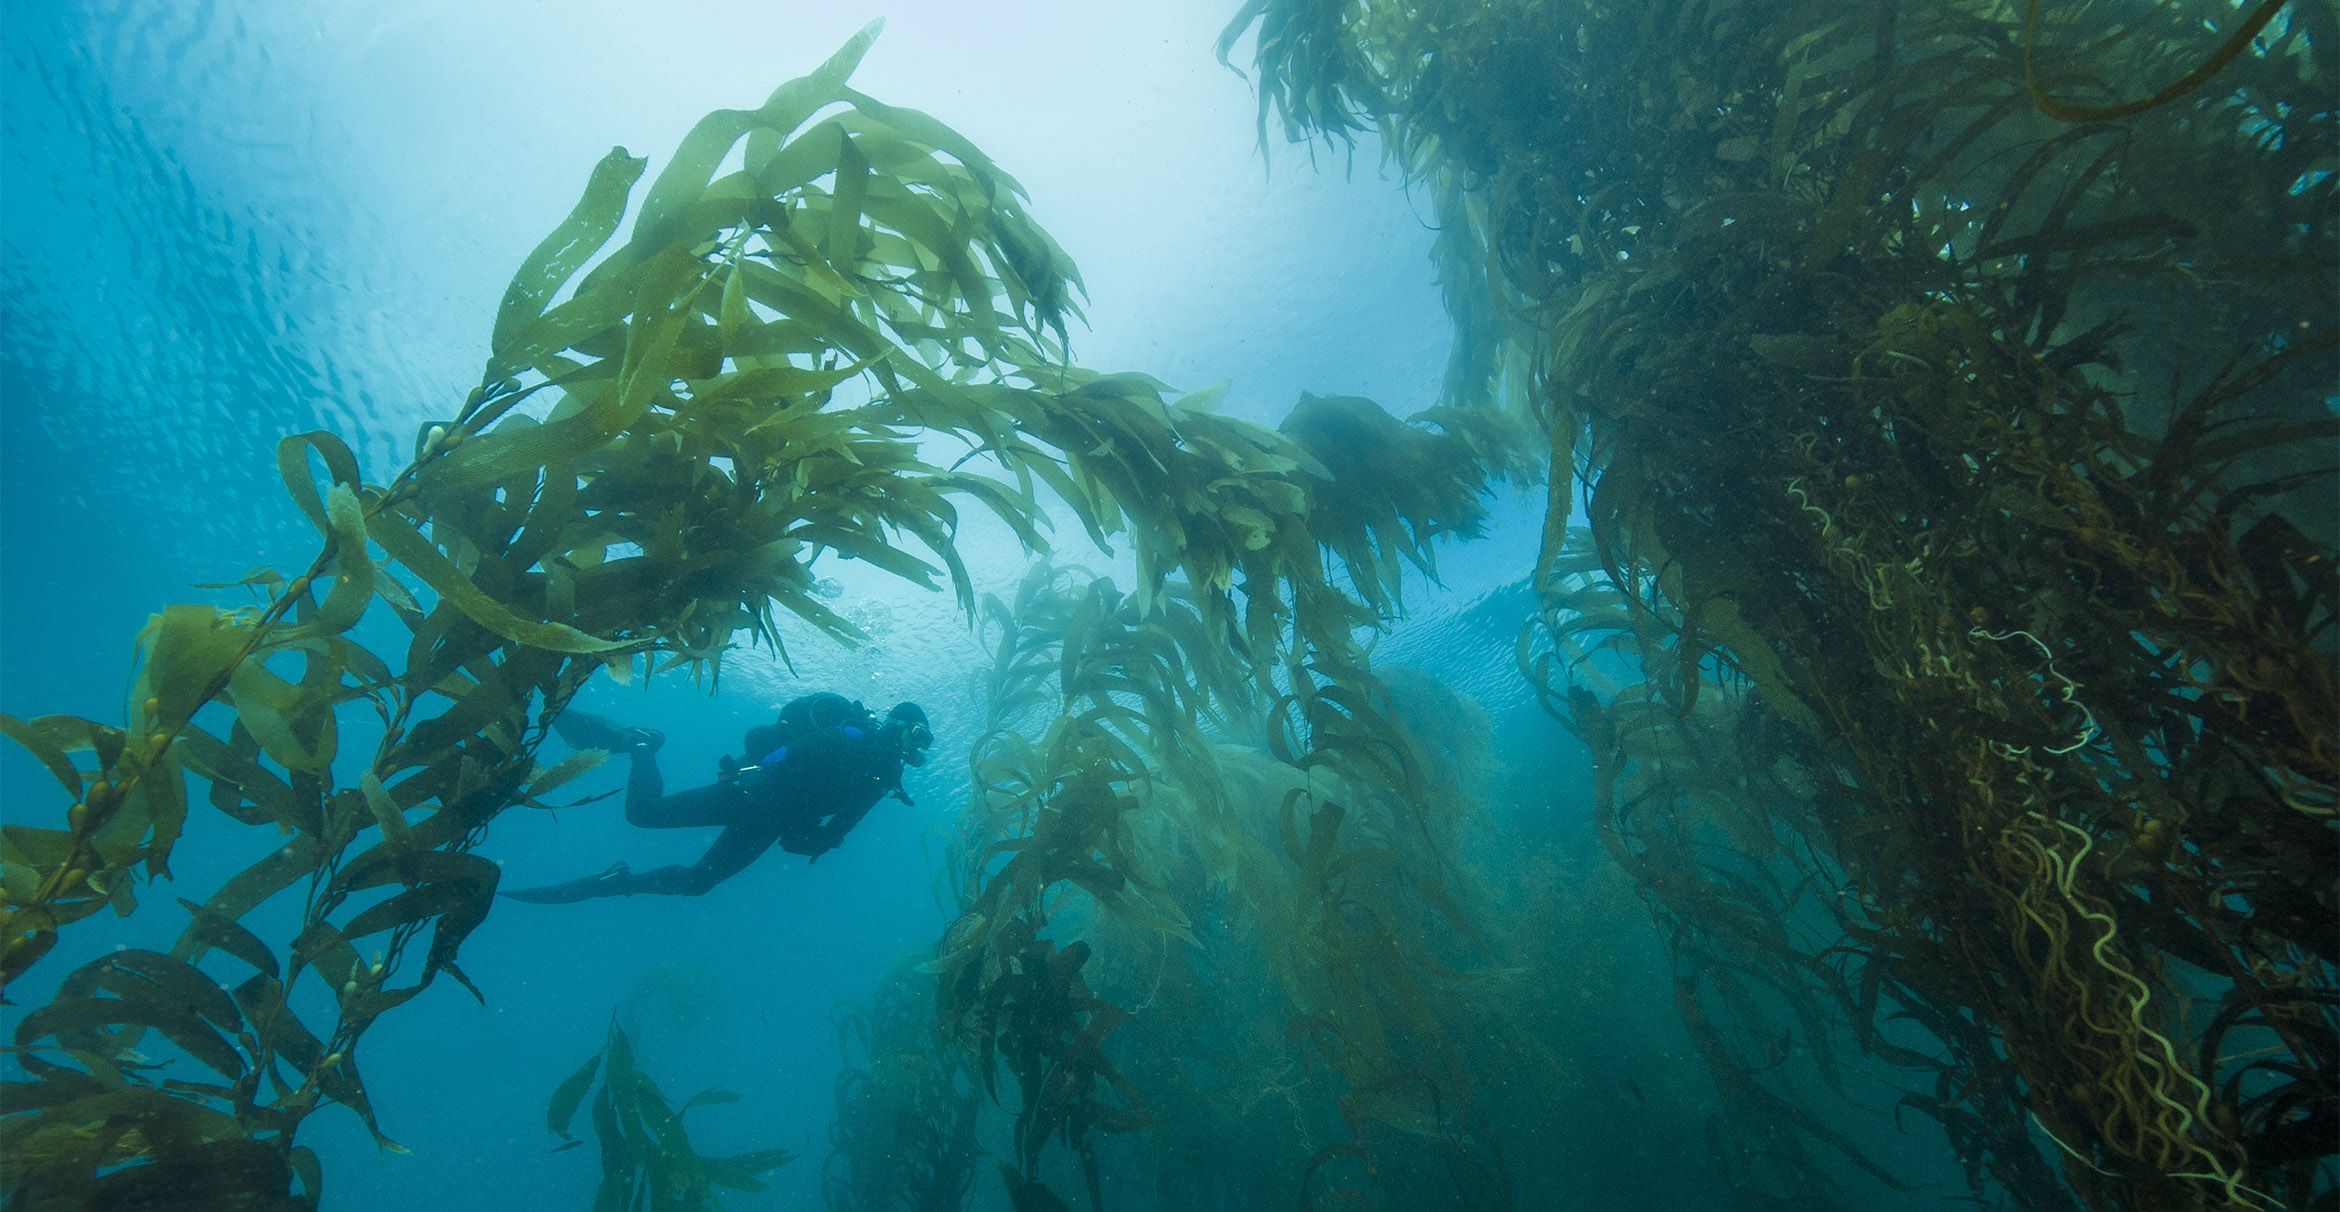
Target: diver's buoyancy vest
point(839, 763)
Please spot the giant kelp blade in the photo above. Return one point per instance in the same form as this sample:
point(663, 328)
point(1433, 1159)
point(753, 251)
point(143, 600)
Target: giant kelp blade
point(694, 162)
point(277, 712)
point(149, 991)
point(426, 561)
point(350, 578)
point(183, 652)
point(47, 742)
point(566, 248)
point(240, 787)
point(279, 1032)
point(292, 465)
point(213, 929)
point(272, 874)
point(569, 1095)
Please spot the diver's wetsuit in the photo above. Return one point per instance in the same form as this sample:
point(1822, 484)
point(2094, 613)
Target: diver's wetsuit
point(806, 795)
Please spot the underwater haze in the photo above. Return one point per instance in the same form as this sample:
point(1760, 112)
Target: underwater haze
point(1521, 604)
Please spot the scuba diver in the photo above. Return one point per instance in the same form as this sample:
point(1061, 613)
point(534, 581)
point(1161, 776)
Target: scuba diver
point(825, 764)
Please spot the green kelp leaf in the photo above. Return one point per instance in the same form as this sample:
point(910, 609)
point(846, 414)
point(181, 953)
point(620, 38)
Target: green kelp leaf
point(153, 991)
point(62, 1141)
point(274, 1026)
point(619, 1158)
point(734, 313)
point(2202, 73)
point(350, 584)
point(645, 1107)
point(182, 984)
point(658, 292)
point(390, 864)
point(387, 812)
point(48, 744)
point(566, 249)
point(27, 855)
point(211, 929)
point(181, 651)
point(456, 888)
point(707, 1098)
point(617, 1056)
point(1755, 657)
point(270, 706)
point(550, 778)
point(702, 151)
point(59, 1084)
point(413, 907)
point(424, 559)
point(237, 779)
point(231, 1171)
point(804, 160)
point(292, 463)
point(2218, 450)
point(563, 1109)
point(768, 383)
point(305, 1166)
point(330, 953)
point(924, 128)
point(852, 187)
point(664, 305)
point(160, 794)
point(337, 1076)
point(595, 313)
point(869, 549)
point(272, 874)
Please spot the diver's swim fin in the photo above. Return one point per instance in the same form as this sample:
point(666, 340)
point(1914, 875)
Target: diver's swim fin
point(585, 730)
point(608, 883)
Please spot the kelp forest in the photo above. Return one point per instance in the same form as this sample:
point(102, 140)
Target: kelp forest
point(1931, 411)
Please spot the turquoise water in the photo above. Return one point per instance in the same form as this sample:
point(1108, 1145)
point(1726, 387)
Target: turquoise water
point(223, 224)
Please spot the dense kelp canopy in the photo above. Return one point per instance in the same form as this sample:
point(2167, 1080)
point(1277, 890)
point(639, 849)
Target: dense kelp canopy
point(1950, 388)
point(1947, 393)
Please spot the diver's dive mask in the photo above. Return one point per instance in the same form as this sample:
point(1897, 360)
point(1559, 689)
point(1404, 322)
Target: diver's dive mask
point(907, 723)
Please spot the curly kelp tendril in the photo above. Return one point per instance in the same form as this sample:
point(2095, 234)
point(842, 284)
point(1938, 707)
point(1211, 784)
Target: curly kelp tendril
point(2070, 692)
point(2150, 1061)
point(2201, 75)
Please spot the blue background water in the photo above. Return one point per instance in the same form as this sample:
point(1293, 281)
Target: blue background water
point(222, 223)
